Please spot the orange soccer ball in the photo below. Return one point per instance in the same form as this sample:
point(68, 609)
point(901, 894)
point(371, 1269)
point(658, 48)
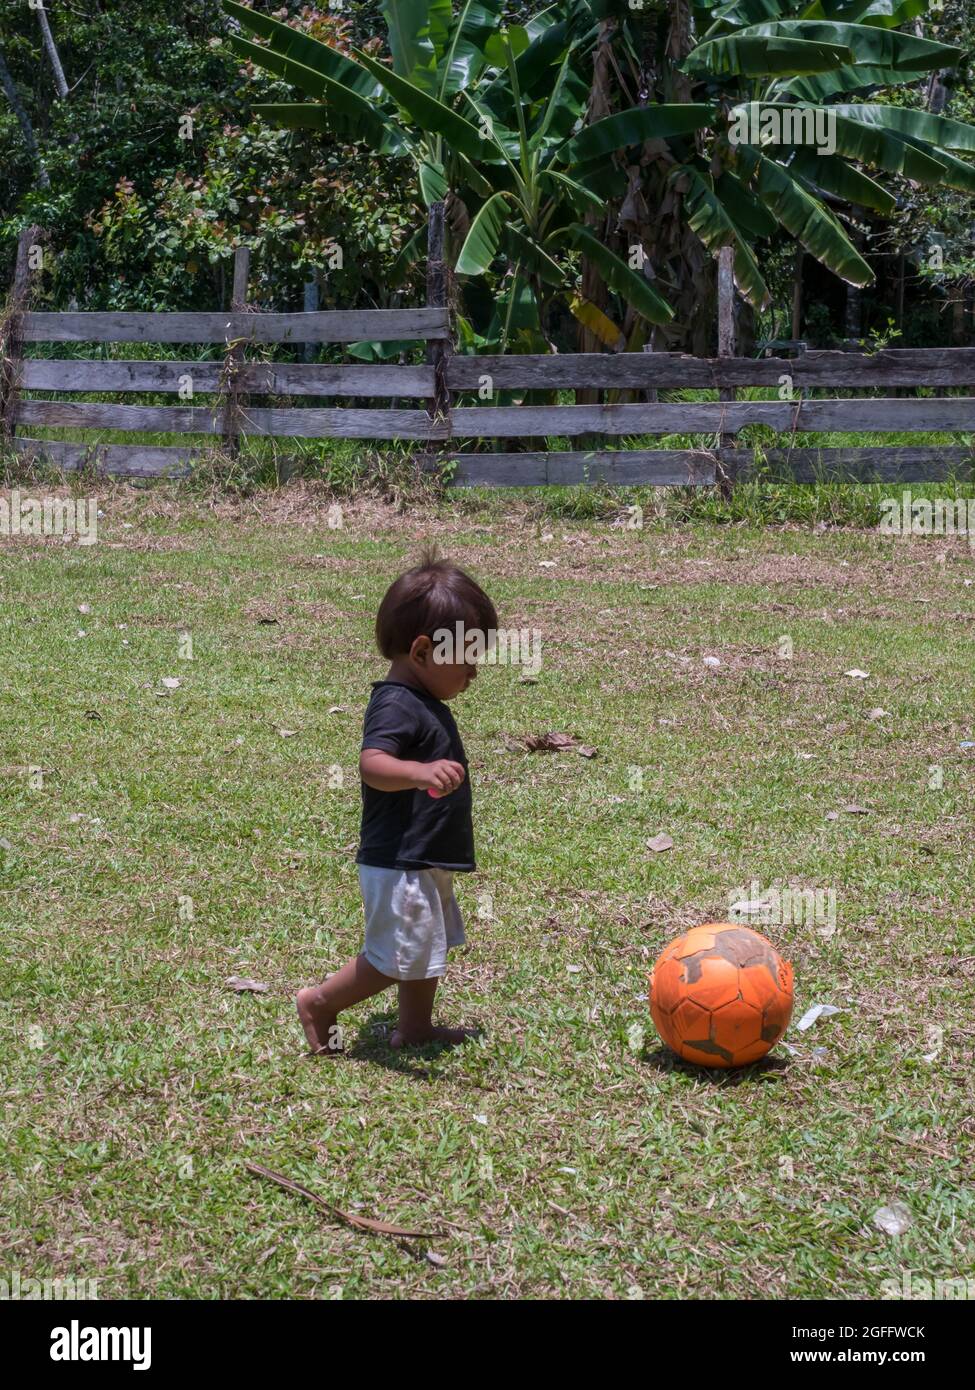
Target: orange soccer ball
point(721, 995)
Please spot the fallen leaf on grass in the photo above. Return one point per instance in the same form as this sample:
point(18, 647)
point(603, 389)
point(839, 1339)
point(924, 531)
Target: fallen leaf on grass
point(171, 682)
point(548, 743)
point(287, 733)
point(659, 843)
point(267, 622)
point(857, 674)
point(243, 986)
point(434, 1259)
point(359, 1223)
point(850, 809)
point(817, 1011)
point(338, 709)
point(893, 1220)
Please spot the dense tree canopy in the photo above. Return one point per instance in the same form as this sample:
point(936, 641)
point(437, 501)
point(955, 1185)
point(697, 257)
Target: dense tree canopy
point(130, 134)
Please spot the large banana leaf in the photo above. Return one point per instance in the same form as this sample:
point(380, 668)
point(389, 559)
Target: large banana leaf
point(306, 50)
point(715, 228)
point(483, 240)
point(885, 13)
point(779, 124)
point(578, 195)
point(825, 85)
point(937, 130)
point(756, 56)
point(464, 58)
point(313, 115)
point(634, 288)
point(523, 248)
point(433, 181)
point(834, 175)
point(412, 26)
point(801, 215)
point(883, 48)
point(364, 119)
point(957, 174)
point(431, 115)
point(632, 128)
point(599, 324)
point(745, 211)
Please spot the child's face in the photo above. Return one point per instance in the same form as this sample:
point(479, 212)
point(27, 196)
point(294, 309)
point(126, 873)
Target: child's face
point(442, 679)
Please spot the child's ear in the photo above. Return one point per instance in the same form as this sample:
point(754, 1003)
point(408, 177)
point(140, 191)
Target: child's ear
point(421, 651)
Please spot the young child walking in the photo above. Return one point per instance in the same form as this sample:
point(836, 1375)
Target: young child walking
point(417, 829)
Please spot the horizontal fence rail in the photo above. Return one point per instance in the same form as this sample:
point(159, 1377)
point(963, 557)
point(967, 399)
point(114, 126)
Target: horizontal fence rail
point(255, 378)
point(325, 326)
point(460, 409)
point(648, 370)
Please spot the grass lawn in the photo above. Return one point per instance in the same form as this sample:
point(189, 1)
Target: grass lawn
point(177, 838)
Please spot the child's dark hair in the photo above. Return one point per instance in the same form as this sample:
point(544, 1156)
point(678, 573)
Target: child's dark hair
point(434, 594)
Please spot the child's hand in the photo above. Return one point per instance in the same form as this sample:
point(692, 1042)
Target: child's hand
point(441, 778)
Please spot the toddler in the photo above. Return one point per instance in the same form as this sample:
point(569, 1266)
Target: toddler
point(417, 830)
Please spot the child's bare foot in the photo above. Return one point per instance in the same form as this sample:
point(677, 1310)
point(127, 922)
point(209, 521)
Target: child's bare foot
point(319, 1022)
point(450, 1036)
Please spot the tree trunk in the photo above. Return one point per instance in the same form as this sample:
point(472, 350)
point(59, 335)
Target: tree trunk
point(50, 48)
point(674, 251)
point(17, 106)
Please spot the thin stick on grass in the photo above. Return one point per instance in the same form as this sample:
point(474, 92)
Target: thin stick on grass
point(359, 1223)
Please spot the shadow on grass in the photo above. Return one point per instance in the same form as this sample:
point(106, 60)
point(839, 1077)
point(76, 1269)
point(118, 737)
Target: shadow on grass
point(372, 1045)
point(767, 1068)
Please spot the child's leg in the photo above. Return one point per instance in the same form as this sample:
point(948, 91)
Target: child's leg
point(319, 1007)
point(416, 1014)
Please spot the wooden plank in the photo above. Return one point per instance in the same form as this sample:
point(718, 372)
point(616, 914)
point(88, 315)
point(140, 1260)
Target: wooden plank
point(726, 349)
point(326, 326)
point(640, 371)
point(287, 423)
point(438, 349)
point(234, 399)
point(11, 327)
point(706, 417)
point(256, 378)
point(905, 464)
point(623, 468)
point(697, 468)
point(124, 460)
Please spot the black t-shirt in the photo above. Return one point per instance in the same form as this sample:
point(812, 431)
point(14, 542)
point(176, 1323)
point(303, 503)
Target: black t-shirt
point(411, 829)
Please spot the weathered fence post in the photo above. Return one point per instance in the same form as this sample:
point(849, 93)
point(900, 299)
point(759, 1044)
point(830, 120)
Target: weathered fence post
point(234, 361)
point(726, 348)
point(28, 244)
point(438, 349)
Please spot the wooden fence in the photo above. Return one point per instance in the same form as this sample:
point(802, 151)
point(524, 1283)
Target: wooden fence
point(438, 420)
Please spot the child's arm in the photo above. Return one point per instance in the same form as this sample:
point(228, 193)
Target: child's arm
point(385, 773)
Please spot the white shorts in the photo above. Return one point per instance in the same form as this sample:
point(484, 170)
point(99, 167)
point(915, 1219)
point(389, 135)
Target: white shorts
point(412, 919)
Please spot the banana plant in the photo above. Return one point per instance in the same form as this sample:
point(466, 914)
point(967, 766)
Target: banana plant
point(797, 146)
point(493, 120)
